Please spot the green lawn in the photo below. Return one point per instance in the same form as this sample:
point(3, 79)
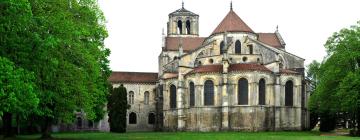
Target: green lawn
point(192, 136)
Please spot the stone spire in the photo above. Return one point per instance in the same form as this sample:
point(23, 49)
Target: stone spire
point(231, 7)
point(182, 4)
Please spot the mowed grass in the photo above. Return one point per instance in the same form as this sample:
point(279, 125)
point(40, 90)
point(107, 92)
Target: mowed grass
point(190, 136)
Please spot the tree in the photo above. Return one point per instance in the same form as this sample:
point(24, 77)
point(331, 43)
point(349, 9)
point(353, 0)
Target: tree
point(117, 106)
point(338, 85)
point(17, 94)
point(62, 43)
point(312, 76)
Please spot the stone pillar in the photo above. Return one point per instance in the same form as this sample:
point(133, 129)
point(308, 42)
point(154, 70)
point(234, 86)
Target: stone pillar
point(277, 94)
point(180, 102)
point(224, 95)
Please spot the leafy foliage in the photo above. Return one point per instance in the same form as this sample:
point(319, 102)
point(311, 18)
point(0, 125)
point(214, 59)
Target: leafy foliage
point(117, 106)
point(338, 84)
point(62, 43)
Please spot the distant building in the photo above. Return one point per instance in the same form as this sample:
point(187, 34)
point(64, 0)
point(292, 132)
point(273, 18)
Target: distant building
point(234, 79)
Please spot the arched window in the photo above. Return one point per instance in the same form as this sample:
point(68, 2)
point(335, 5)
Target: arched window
point(179, 27)
point(146, 97)
point(289, 93)
point(192, 93)
point(131, 97)
point(237, 47)
point(208, 93)
point(172, 96)
point(250, 49)
point(188, 29)
point(222, 45)
point(151, 118)
point(79, 122)
point(243, 91)
point(262, 92)
point(132, 118)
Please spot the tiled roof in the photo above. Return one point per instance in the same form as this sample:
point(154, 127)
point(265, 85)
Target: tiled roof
point(183, 11)
point(133, 77)
point(288, 71)
point(188, 43)
point(233, 67)
point(207, 68)
point(270, 39)
point(249, 66)
point(232, 23)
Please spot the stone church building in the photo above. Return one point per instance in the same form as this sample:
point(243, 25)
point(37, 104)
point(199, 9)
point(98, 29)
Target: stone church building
point(234, 79)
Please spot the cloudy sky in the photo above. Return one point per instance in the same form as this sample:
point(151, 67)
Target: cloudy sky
point(135, 26)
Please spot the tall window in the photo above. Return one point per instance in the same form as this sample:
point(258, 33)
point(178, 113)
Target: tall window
point(262, 92)
point(222, 45)
point(151, 118)
point(172, 96)
point(192, 93)
point(243, 91)
point(188, 27)
point(179, 27)
point(132, 118)
point(289, 93)
point(250, 49)
point(131, 97)
point(209, 93)
point(237, 47)
point(146, 97)
point(79, 122)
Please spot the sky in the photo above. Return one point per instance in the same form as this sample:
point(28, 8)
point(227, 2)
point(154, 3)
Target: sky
point(135, 26)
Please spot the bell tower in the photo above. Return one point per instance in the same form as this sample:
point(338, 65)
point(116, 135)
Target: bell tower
point(183, 23)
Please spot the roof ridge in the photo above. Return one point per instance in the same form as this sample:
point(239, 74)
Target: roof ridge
point(232, 23)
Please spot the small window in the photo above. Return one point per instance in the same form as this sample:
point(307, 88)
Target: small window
point(90, 124)
point(211, 61)
point(250, 49)
point(192, 93)
point(237, 47)
point(179, 25)
point(132, 118)
point(222, 47)
point(188, 29)
point(243, 91)
point(262, 89)
point(289, 93)
point(244, 59)
point(209, 93)
point(172, 96)
point(146, 97)
point(151, 118)
point(131, 97)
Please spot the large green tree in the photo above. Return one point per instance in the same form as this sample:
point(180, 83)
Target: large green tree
point(338, 84)
point(62, 43)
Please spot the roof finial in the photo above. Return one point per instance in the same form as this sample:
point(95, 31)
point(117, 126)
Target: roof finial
point(231, 6)
point(182, 4)
point(277, 28)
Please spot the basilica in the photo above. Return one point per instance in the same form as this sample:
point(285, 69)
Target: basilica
point(235, 79)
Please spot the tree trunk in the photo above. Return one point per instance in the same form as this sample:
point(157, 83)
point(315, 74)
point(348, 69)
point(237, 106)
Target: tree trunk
point(46, 128)
point(7, 119)
point(18, 124)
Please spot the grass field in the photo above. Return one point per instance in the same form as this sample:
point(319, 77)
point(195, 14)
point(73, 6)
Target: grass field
point(191, 136)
